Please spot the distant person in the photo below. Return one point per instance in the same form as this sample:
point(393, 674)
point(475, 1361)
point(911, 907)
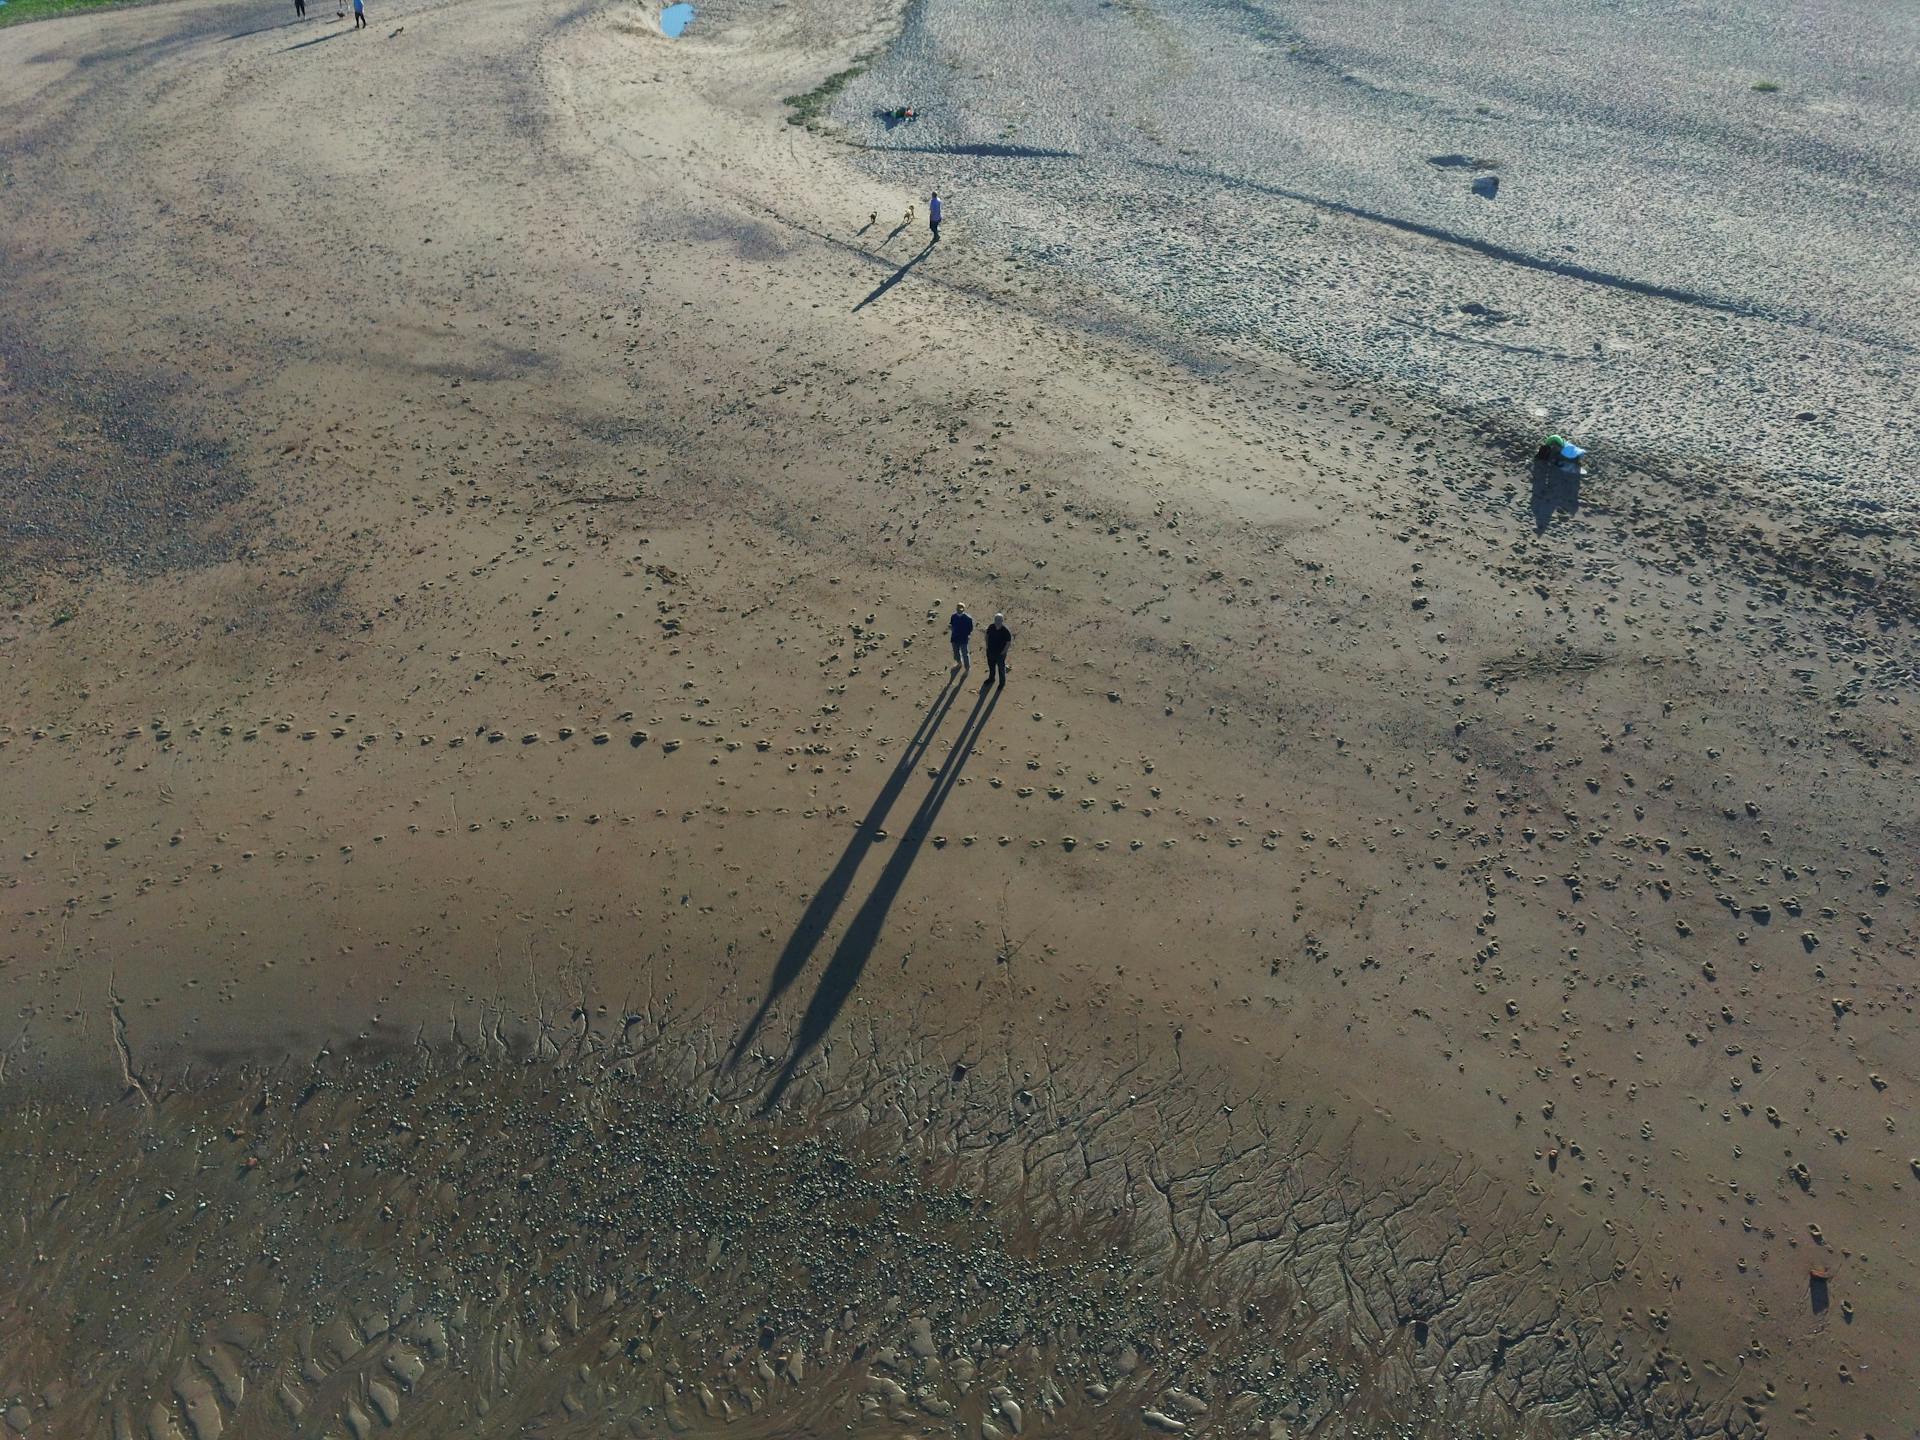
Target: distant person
point(359, 14)
point(300, 9)
point(960, 626)
point(933, 214)
point(999, 637)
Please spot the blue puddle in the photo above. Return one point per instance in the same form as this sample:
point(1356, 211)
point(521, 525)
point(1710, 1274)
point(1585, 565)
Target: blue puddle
point(675, 19)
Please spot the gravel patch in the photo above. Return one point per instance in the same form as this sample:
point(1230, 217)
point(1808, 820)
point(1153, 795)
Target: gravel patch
point(1673, 258)
point(102, 470)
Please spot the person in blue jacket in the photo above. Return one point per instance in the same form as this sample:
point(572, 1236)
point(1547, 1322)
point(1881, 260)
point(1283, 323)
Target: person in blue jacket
point(960, 626)
point(933, 214)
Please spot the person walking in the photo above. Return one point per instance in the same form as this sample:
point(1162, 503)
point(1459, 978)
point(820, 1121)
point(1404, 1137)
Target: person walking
point(300, 9)
point(933, 214)
point(359, 14)
point(960, 627)
point(999, 637)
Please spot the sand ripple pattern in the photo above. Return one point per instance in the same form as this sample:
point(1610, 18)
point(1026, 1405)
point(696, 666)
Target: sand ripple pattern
point(593, 1239)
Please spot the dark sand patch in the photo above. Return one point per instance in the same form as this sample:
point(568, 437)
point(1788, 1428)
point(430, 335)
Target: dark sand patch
point(102, 470)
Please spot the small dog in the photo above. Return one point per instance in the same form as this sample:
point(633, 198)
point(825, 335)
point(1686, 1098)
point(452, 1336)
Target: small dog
point(909, 217)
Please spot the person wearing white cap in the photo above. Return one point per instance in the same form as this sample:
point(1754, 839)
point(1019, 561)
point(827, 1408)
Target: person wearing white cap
point(960, 627)
point(999, 637)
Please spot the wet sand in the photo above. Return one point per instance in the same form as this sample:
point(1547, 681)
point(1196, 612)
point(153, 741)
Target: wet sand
point(478, 573)
point(607, 1234)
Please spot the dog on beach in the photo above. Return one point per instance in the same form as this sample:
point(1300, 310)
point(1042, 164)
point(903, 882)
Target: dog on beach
point(909, 217)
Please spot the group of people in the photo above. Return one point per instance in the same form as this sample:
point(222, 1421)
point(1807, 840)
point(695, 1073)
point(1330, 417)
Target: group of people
point(999, 637)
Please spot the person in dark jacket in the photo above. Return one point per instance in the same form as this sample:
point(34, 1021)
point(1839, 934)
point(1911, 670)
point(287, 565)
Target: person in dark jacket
point(960, 626)
point(999, 637)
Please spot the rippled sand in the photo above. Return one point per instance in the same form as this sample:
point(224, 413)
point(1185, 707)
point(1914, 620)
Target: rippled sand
point(613, 1234)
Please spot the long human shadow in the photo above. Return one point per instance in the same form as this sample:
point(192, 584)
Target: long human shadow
point(1554, 489)
point(833, 890)
point(894, 279)
point(263, 29)
point(856, 947)
point(317, 40)
point(983, 152)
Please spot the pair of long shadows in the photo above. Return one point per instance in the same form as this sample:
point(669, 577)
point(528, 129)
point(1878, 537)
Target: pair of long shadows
point(857, 945)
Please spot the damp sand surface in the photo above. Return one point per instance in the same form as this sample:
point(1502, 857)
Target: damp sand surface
point(611, 1236)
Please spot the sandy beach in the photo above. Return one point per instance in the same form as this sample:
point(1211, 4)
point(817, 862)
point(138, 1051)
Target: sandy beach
point(513, 922)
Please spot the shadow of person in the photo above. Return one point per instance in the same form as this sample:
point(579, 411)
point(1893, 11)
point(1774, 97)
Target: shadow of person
point(1555, 488)
point(1817, 1295)
point(263, 29)
point(833, 890)
point(856, 947)
point(894, 279)
point(317, 40)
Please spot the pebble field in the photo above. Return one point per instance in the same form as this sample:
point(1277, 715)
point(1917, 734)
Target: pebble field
point(1698, 240)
